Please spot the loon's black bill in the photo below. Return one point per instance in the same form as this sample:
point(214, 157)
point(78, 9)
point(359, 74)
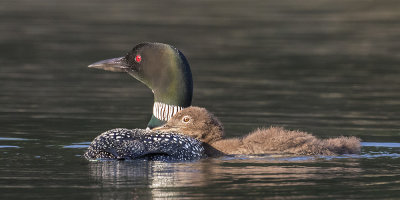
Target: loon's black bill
point(165, 128)
point(113, 64)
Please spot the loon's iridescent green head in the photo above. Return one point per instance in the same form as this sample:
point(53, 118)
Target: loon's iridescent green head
point(164, 69)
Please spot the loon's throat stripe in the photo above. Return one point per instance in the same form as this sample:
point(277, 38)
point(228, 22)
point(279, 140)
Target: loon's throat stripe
point(164, 111)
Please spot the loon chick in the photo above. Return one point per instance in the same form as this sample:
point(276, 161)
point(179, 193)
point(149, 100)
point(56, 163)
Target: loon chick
point(204, 126)
point(126, 144)
point(164, 69)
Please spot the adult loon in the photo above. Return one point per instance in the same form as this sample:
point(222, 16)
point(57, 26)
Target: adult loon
point(201, 124)
point(165, 70)
point(162, 68)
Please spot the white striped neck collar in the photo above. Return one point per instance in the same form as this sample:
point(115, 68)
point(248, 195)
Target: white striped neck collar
point(164, 112)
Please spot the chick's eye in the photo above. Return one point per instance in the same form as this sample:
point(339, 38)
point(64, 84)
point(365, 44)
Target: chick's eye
point(185, 119)
point(138, 58)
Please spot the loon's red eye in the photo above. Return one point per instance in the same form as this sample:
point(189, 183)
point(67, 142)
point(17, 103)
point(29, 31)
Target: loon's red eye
point(138, 58)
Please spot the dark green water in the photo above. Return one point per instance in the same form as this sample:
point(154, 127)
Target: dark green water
point(327, 67)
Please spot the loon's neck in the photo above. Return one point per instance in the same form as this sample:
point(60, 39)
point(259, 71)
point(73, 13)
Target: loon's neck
point(162, 113)
point(170, 99)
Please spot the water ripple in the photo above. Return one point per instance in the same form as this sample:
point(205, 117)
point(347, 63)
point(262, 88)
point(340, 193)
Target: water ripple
point(13, 139)
point(80, 145)
point(380, 144)
point(9, 146)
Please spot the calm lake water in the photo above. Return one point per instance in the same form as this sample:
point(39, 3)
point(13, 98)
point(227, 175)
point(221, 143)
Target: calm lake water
point(327, 67)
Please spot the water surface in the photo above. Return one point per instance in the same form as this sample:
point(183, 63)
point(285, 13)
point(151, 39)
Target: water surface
point(327, 67)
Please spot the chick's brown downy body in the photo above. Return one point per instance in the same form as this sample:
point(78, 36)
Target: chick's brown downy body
point(201, 124)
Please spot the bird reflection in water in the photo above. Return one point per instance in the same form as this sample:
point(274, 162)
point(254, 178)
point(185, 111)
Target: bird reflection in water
point(158, 180)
